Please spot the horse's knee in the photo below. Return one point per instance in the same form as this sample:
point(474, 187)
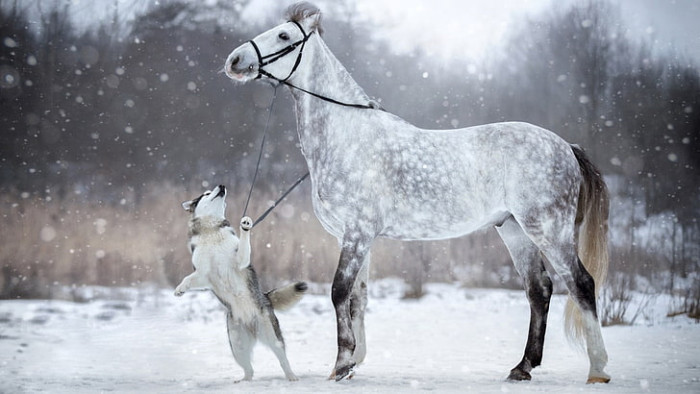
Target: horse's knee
point(539, 285)
point(547, 286)
point(358, 300)
point(340, 294)
point(345, 276)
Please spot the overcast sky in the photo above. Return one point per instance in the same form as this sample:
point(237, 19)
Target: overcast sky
point(475, 27)
point(669, 22)
point(472, 28)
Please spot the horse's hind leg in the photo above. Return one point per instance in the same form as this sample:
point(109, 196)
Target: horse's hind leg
point(582, 290)
point(538, 287)
point(558, 246)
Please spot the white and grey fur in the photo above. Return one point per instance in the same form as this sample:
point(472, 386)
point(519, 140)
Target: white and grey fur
point(375, 175)
point(222, 264)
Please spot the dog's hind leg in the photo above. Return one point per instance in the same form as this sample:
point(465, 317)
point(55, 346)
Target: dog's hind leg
point(241, 341)
point(271, 334)
point(538, 288)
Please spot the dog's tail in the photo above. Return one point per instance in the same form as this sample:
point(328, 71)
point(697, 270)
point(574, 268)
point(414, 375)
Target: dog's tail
point(287, 296)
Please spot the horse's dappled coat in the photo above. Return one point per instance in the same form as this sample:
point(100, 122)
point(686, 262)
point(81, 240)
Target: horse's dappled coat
point(374, 174)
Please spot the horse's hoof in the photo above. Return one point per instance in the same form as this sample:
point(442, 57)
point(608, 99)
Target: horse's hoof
point(346, 372)
point(598, 379)
point(518, 375)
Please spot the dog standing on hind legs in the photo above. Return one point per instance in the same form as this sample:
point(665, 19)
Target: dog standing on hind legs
point(222, 264)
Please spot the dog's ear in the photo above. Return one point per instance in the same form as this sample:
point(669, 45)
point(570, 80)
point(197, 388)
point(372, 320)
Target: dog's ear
point(188, 206)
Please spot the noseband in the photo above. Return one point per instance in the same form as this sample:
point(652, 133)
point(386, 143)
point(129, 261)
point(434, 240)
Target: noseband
point(273, 57)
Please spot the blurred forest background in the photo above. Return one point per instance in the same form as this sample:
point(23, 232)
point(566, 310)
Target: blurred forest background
point(106, 129)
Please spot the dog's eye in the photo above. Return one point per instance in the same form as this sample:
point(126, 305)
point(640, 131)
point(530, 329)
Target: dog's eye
point(284, 36)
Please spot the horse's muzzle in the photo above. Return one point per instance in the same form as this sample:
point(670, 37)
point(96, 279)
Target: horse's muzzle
point(242, 64)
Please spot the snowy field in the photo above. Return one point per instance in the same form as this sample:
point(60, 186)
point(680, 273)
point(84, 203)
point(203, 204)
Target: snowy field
point(452, 340)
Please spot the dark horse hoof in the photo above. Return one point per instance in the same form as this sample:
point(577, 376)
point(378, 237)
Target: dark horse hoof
point(346, 372)
point(518, 375)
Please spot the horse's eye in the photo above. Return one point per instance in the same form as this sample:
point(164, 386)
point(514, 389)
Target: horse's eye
point(284, 36)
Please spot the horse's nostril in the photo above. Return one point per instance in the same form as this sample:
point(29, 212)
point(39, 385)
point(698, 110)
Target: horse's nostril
point(235, 61)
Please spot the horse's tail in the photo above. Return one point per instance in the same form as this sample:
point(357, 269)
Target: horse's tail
point(592, 223)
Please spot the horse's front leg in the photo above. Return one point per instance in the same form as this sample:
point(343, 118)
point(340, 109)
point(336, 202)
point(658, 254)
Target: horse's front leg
point(358, 305)
point(354, 249)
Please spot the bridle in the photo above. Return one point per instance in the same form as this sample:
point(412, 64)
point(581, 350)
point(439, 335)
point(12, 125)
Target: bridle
point(269, 59)
point(273, 57)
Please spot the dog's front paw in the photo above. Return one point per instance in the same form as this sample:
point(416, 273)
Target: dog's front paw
point(246, 223)
point(179, 292)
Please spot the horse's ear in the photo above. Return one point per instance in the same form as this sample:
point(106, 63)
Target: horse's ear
point(313, 22)
point(306, 14)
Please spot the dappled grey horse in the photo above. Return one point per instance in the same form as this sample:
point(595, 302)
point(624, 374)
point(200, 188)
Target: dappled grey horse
point(375, 175)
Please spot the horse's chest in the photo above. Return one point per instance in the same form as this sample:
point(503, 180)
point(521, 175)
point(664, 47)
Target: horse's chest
point(336, 202)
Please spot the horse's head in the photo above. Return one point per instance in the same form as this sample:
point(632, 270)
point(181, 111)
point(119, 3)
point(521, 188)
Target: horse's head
point(276, 53)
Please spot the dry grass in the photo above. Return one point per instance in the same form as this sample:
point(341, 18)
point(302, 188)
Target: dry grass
point(686, 301)
point(50, 243)
point(619, 303)
point(47, 243)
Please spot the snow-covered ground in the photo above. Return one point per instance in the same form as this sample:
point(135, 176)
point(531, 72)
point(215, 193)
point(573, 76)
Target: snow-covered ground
point(451, 340)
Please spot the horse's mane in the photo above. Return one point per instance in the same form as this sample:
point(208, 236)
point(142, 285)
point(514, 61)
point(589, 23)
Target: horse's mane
point(302, 10)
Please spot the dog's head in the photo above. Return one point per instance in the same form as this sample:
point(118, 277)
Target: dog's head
point(211, 203)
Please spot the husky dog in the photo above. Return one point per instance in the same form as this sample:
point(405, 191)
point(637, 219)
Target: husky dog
point(222, 264)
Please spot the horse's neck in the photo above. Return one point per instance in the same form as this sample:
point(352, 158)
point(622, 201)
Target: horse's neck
point(321, 73)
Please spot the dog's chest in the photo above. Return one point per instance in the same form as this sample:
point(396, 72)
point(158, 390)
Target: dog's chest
point(213, 247)
point(215, 240)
